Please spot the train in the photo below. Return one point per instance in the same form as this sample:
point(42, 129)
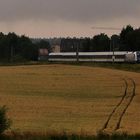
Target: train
point(117, 56)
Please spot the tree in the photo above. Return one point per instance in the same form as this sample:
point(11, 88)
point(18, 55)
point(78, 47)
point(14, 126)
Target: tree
point(86, 45)
point(133, 40)
point(12, 40)
point(17, 48)
point(1, 45)
point(44, 45)
point(124, 37)
point(115, 42)
point(101, 43)
point(29, 50)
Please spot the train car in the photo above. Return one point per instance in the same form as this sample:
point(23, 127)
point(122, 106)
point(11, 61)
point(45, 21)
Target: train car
point(102, 57)
point(62, 57)
point(95, 57)
point(138, 56)
point(132, 57)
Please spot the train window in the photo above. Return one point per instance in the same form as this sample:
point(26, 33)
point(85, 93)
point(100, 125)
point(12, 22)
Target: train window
point(138, 56)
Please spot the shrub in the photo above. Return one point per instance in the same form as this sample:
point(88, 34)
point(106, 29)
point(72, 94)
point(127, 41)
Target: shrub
point(4, 121)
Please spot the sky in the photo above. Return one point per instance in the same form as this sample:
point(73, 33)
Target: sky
point(63, 18)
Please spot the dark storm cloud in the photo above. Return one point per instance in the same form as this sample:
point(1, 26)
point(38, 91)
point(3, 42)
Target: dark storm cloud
point(69, 10)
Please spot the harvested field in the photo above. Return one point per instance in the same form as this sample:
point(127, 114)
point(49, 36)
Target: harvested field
point(120, 109)
point(67, 98)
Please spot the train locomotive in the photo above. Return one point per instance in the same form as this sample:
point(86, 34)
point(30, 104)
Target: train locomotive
point(131, 57)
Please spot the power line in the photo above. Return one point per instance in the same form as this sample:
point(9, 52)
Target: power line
point(106, 28)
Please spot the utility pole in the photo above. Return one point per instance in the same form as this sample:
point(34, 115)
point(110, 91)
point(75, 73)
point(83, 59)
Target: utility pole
point(12, 53)
point(77, 50)
point(75, 44)
point(110, 45)
point(113, 57)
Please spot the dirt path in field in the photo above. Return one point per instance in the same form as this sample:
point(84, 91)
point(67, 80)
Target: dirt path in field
point(114, 119)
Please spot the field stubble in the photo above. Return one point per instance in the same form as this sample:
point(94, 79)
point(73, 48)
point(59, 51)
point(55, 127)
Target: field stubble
point(60, 98)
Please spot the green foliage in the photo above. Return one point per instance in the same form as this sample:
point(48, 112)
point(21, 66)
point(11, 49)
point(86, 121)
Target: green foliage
point(101, 43)
point(14, 48)
point(103, 136)
point(128, 40)
point(124, 37)
point(125, 31)
point(4, 121)
point(44, 44)
point(17, 48)
point(115, 42)
point(133, 40)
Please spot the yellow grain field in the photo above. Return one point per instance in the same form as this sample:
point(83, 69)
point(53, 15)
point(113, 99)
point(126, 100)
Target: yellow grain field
point(66, 98)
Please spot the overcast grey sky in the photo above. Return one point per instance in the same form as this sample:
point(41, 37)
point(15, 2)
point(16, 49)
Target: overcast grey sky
point(50, 18)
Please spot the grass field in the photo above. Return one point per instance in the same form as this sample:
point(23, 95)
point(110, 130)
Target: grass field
point(74, 99)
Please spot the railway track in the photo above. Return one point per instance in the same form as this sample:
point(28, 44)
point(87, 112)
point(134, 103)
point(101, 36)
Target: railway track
point(115, 118)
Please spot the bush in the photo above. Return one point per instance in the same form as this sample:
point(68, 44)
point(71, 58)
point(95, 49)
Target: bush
point(4, 121)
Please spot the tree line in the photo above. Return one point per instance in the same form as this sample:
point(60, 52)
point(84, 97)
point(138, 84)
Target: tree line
point(21, 48)
point(14, 48)
point(127, 40)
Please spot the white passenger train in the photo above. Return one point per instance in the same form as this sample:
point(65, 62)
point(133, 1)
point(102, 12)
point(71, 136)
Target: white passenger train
point(95, 57)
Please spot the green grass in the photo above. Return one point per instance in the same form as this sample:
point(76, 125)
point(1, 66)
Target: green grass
point(135, 67)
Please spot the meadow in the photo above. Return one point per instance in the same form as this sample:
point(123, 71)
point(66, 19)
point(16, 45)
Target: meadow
point(64, 98)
